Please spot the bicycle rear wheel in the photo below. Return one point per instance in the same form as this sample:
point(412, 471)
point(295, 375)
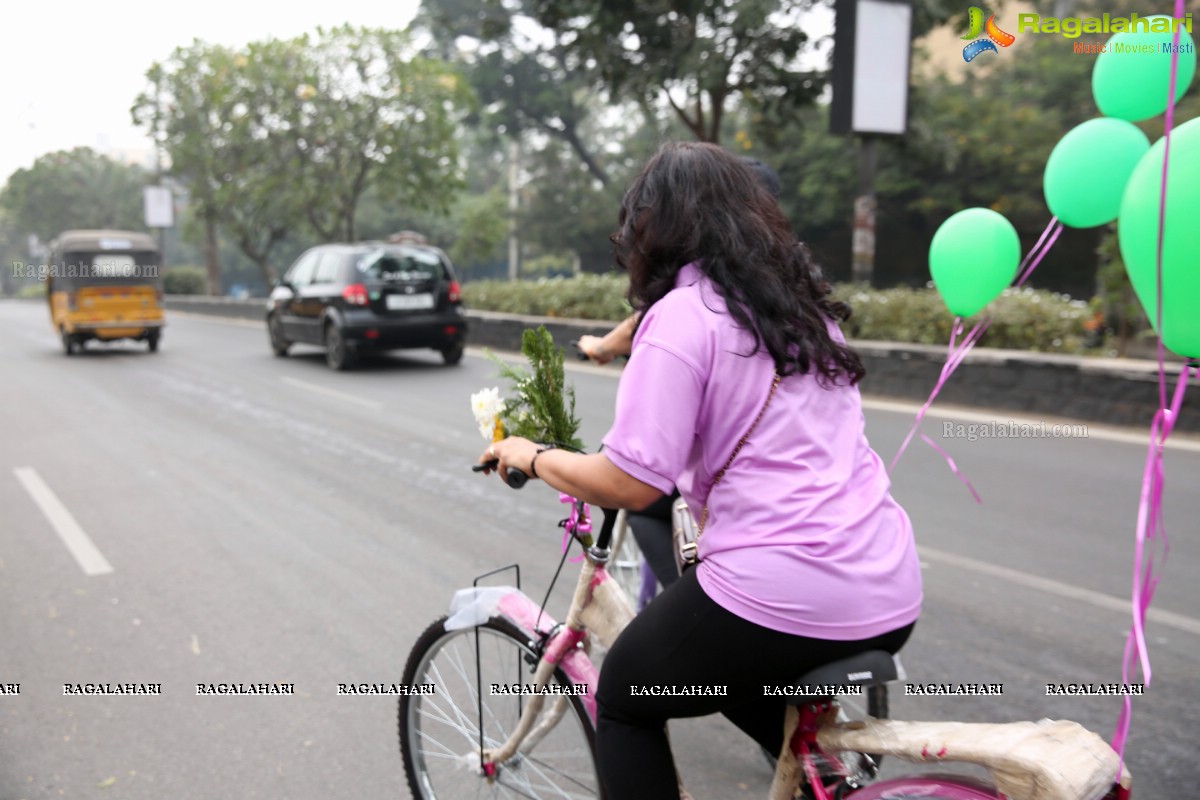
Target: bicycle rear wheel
point(440, 732)
point(930, 787)
point(863, 767)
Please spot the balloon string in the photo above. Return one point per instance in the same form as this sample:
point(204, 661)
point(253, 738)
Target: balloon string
point(956, 355)
point(1053, 229)
point(1150, 522)
point(954, 468)
point(1149, 528)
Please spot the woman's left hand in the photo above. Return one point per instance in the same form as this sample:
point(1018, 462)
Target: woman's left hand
point(512, 453)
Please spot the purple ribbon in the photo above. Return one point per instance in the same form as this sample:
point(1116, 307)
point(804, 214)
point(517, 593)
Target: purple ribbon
point(574, 523)
point(1149, 521)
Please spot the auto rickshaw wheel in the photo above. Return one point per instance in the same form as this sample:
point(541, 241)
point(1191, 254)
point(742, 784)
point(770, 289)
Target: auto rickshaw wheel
point(70, 343)
point(152, 341)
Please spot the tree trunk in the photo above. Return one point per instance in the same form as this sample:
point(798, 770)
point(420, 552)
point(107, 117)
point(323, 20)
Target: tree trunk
point(212, 257)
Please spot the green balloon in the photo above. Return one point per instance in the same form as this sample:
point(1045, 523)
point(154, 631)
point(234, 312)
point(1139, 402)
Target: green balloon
point(1133, 84)
point(1138, 232)
point(1087, 171)
point(973, 258)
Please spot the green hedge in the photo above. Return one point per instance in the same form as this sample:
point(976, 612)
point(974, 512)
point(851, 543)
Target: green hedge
point(582, 297)
point(185, 280)
point(1022, 319)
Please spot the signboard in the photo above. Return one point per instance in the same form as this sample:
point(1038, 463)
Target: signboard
point(160, 207)
point(872, 46)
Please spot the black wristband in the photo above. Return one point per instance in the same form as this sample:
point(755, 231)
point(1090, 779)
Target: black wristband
point(533, 461)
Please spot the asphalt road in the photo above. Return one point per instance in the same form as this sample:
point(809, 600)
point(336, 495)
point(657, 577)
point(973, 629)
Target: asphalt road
point(267, 519)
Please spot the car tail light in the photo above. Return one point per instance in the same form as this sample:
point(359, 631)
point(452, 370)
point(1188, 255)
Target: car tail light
point(450, 330)
point(372, 333)
point(455, 292)
point(355, 294)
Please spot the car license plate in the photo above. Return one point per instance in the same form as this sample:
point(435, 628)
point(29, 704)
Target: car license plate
point(409, 302)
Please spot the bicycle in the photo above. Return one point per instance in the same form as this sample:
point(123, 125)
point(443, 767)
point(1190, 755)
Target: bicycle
point(458, 741)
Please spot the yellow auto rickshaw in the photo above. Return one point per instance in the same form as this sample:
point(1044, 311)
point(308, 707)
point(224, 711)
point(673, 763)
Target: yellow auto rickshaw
point(104, 284)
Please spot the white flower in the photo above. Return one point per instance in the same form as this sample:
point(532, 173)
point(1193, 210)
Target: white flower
point(486, 406)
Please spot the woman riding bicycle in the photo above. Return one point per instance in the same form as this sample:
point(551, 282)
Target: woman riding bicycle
point(651, 526)
point(805, 556)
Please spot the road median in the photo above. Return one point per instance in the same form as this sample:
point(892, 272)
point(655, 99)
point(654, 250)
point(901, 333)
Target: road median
point(1107, 391)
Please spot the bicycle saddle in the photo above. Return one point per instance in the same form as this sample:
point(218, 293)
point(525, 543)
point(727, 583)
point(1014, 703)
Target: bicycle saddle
point(870, 668)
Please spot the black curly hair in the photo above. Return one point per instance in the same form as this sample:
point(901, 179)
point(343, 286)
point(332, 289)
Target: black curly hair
point(697, 202)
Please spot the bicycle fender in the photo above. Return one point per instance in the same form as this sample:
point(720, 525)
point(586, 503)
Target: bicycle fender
point(476, 605)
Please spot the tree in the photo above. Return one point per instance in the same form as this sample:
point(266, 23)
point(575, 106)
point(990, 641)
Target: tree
point(695, 56)
point(74, 189)
point(365, 114)
point(181, 113)
point(525, 77)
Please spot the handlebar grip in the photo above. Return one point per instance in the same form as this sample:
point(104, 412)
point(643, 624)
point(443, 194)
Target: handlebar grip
point(582, 356)
point(515, 478)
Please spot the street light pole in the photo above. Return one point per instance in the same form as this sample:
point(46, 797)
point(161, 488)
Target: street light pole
point(872, 45)
point(863, 244)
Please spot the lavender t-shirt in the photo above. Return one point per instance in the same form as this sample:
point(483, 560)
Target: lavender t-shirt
point(802, 535)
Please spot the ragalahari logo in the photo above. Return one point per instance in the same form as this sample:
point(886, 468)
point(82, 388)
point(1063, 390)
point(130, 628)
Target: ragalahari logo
point(994, 37)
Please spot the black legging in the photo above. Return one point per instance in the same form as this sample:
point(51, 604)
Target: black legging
point(685, 639)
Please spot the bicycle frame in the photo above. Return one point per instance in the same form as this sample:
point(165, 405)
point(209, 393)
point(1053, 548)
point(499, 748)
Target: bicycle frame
point(599, 607)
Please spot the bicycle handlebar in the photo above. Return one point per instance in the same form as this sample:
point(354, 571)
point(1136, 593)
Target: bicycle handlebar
point(515, 478)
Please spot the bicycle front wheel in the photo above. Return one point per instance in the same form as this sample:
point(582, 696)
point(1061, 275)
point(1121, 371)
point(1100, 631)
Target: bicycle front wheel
point(440, 730)
point(625, 563)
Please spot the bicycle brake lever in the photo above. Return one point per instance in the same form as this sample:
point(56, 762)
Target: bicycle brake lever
point(515, 478)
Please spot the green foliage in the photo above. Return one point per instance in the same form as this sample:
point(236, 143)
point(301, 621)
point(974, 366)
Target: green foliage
point(483, 226)
point(32, 291)
point(582, 297)
point(695, 58)
point(285, 134)
point(542, 405)
point(74, 189)
point(1022, 319)
point(523, 82)
point(185, 280)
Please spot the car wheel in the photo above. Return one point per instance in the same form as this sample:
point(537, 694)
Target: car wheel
point(69, 343)
point(453, 354)
point(279, 345)
point(337, 354)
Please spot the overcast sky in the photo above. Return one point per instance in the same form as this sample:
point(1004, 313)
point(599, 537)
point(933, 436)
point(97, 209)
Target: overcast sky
point(72, 69)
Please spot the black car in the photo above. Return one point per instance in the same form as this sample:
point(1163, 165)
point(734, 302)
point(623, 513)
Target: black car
point(350, 298)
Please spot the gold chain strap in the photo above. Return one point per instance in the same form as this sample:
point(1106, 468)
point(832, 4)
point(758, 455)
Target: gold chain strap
point(733, 455)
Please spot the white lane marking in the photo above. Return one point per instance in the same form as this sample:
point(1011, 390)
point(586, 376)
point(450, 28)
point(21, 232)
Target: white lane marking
point(1094, 431)
point(334, 393)
point(89, 557)
point(1105, 601)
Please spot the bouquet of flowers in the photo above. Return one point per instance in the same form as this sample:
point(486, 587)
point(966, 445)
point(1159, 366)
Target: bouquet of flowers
point(542, 407)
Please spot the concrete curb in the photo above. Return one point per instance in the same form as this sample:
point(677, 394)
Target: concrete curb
point(1110, 391)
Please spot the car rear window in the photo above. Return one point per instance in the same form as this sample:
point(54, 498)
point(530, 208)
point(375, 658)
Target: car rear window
point(406, 264)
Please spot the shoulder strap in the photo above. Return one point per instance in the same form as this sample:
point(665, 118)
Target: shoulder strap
point(741, 443)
